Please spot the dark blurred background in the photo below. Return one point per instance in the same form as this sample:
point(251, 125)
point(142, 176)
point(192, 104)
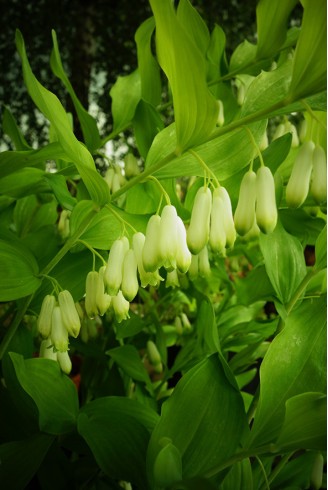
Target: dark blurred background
point(96, 41)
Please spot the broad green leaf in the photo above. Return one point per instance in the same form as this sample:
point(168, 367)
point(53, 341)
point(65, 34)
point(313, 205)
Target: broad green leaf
point(243, 56)
point(10, 127)
point(310, 59)
point(271, 19)
point(284, 262)
point(58, 185)
point(216, 60)
point(51, 107)
point(194, 484)
point(117, 437)
point(294, 364)
point(305, 424)
point(147, 123)
point(129, 360)
point(24, 182)
point(130, 328)
point(143, 198)
point(21, 459)
point(267, 89)
point(202, 410)
point(52, 391)
point(88, 123)
point(125, 94)
point(194, 25)
point(254, 287)
point(195, 108)
point(151, 87)
point(321, 250)
point(30, 215)
point(18, 271)
point(11, 161)
point(224, 155)
point(296, 473)
point(239, 477)
point(299, 223)
point(208, 337)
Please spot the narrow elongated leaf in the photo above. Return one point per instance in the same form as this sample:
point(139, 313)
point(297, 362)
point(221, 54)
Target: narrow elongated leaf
point(294, 364)
point(52, 391)
point(310, 59)
point(128, 358)
point(271, 20)
point(305, 424)
point(18, 271)
point(21, 459)
point(239, 477)
point(195, 108)
point(284, 262)
point(51, 107)
point(203, 408)
point(11, 161)
point(224, 155)
point(24, 182)
point(151, 87)
point(125, 94)
point(194, 25)
point(10, 127)
point(88, 123)
point(147, 123)
point(117, 437)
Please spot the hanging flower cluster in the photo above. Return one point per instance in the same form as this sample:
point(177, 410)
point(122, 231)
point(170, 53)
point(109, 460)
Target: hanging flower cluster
point(309, 174)
point(256, 208)
point(58, 320)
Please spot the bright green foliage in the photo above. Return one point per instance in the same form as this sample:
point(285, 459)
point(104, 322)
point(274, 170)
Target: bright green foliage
point(163, 313)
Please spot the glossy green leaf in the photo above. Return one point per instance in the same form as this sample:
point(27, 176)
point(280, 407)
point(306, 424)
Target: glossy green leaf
point(224, 155)
point(18, 271)
point(51, 107)
point(305, 424)
point(310, 59)
point(129, 360)
point(321, 250)
point(195, 108)
point(21, 459)
point(11, 161)
point(125, 94)
point(58, 185)
point(194, 25)
point(243, 55)
point(216, 60)
point(24, 182)
point(271, 19)
point(30, 215)
point(239, 477)
point(11, 128)
point(296, 473)
point(299, 223)
point(116, 431)
point(254, 287)
point(147, 123)
point(88, 123)
point(208, 337)
point(267, 89)
point(294, 364)
point(52, 391)
point(202, 410)
point(151, 87)
point(284, 262)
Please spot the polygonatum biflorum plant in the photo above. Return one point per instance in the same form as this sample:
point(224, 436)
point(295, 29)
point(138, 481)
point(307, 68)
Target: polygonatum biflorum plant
point(163, 322)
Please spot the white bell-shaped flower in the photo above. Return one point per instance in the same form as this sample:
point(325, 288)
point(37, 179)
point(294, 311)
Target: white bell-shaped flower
point(228, 222)
point(130, 283)
point(103, 299)
point(69, 313)
point(199, 228)
point(168, 237)
point(59, 334)
point(245, 211)
point(299, 182)
point(45, 316)
point(114, 269)
point(266, 207)
point(217, 238)
point(47, 350)
point(183, 254)
point(91, 290)
point(120, 307)
point(64, 362)
point(151, 256)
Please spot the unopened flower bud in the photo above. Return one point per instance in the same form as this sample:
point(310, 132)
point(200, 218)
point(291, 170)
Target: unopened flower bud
point(69, 313)
point(44, 320)
point(220, 120)
point(298, 185)
point(131, 166)
point(228, 222)
point(183, 254)
point(217, 232)
point(280, 131)
point(109, 175)
point(203, 263)
point(130, 285)
point(199, 228)
point(168, 237)
point(116, 184)
point(153, 354)
point(64, 362)
point(245, 211)
point(193, 269)
point(121, 307)
point(138, 244)
point(318, 187)
point(59, 334)
point(63, 223)
point(151, 256)
point(317, 472)
point(266, 208)
point(185, 322)
point(264, 143)
point(114, 269)
point(91, 289)
point(103, 299)
point(168, 466)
